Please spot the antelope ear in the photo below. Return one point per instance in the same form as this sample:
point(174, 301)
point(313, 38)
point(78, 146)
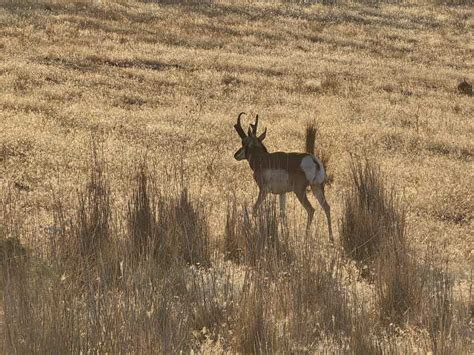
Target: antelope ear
point(249, 133)
point(263, 135)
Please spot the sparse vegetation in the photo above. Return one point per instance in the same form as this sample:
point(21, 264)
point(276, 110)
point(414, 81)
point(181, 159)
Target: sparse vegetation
point(147, 244)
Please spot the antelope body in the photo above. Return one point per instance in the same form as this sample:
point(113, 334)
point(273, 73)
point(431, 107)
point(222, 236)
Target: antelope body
point(280, 172)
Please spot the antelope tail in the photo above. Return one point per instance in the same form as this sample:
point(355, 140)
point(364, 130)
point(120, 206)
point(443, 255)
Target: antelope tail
point(310, 138)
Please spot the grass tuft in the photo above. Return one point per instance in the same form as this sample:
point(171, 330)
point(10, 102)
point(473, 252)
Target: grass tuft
point(142, 225)
point(91, 229)
point(259, 240)
point(183, 231)
point(370, 214)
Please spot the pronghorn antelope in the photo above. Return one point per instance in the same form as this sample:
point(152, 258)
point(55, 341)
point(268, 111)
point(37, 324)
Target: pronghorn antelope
point(280, 173)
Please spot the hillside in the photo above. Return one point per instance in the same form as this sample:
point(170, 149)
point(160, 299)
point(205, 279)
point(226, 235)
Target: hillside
point(164, 83)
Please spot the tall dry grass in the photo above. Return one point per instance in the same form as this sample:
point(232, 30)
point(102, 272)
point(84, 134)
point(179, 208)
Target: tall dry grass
point(99, 292)
point(373, 232)
point(408, 289)
point(153, 282)
point(256, 239)
point(371, 215)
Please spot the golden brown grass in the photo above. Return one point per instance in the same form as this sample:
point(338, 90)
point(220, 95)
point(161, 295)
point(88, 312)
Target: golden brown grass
point(163, 82)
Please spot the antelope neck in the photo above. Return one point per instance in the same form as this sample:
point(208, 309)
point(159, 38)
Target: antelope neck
point(255, 158)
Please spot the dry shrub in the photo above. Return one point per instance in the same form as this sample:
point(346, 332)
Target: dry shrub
point(183, 232)
point(169, 228)
point(373, 232)
point(91, 228)
point(260, 239)
point(370, 214)
point(81, 241)
point(84, 295)
point(93, 251)
point(142, 226)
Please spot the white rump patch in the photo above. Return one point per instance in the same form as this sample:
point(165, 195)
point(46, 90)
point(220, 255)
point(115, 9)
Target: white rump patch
point(310, 169)
point(276, 180)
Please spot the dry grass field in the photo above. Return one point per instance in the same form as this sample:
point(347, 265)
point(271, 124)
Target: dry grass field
point(124, 218)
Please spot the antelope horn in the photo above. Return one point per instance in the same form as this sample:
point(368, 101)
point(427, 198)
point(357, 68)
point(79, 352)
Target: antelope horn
point(254, 126)
point(238, 126)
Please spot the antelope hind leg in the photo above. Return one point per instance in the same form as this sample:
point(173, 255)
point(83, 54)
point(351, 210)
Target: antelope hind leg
point(318, 191)
point(301, 195)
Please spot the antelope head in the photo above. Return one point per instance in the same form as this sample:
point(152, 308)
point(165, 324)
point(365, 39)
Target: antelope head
point(249, 140)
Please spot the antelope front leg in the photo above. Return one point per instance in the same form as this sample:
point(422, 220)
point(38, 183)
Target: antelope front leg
point(261, 197)
point(283, 219)
point(283, 207)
